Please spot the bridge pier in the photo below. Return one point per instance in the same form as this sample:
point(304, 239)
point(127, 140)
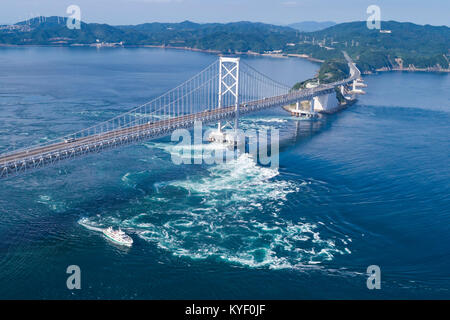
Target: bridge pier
point(355, 85)
point(312, 103)
point(325, 103)
point(298, 112)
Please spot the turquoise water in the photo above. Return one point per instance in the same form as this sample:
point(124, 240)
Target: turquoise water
point(369, 185)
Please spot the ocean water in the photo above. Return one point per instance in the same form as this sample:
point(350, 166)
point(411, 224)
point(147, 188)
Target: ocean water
point(367, 186)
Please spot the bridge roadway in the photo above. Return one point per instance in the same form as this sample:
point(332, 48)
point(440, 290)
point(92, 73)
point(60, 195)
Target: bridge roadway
point(22, 160)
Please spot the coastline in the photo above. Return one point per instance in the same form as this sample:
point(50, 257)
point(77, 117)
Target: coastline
point(217, 52)
point(248, 53)
point(409, 70)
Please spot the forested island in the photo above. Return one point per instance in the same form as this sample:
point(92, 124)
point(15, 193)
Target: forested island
point(397, 46)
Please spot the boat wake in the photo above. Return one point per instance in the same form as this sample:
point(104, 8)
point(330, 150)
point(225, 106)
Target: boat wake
point(233, 212)
point(85, 222)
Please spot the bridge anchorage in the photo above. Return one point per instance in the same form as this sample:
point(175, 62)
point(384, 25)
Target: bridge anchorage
point(327, 102)
point(219, 94)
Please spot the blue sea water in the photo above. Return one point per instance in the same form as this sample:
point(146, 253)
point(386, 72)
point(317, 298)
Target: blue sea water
point(367, 186)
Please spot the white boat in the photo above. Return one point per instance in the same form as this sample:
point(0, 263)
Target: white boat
point(118, 236)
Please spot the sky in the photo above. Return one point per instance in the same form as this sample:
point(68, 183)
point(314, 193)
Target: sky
point(281, 12)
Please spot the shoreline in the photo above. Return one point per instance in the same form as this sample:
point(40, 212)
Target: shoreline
point(217, 52)
point(408, 70)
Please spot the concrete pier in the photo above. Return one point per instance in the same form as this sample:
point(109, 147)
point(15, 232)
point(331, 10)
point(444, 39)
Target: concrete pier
point(355, 89)
point(301, 112)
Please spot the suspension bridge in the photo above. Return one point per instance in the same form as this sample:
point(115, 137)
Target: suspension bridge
point(221, 92)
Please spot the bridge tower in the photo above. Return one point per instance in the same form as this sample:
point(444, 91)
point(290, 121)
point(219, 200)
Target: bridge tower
point(229, 85)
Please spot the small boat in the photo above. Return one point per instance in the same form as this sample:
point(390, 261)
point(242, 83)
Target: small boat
point(118, 236)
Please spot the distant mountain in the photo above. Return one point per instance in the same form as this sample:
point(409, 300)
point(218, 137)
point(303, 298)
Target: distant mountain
point(397, 46)
point(230, 37)
point(310, 26)
point(53, 30)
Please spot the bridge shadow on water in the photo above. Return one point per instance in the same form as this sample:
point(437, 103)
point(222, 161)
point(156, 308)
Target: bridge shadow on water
point(305, 129)
point(296, 130)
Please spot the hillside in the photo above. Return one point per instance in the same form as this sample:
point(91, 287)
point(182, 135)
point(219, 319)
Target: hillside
point(230, 37)
point(399, 46)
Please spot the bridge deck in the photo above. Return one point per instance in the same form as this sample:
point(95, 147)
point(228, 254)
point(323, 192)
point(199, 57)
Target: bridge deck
point(42, 155)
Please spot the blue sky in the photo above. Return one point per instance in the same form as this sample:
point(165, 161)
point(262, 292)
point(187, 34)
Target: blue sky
point(435, 12)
